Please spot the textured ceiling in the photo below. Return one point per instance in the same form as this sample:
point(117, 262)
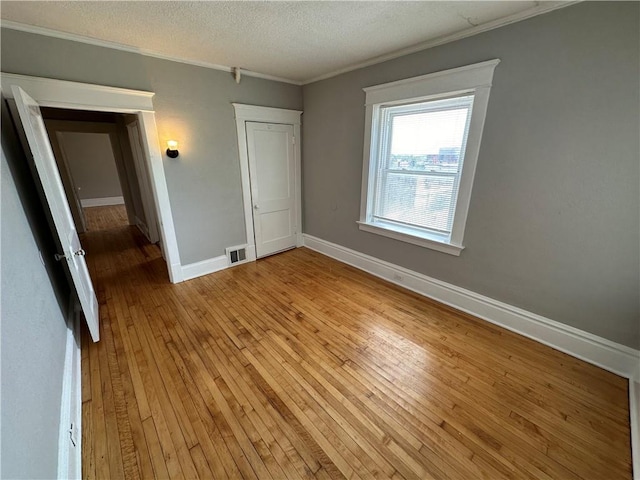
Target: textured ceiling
point(293, 40)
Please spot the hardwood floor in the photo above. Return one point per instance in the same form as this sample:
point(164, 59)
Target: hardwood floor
point(105, 218)
point(297, 366)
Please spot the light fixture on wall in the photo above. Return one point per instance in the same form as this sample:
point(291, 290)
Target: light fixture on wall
point(172, 149)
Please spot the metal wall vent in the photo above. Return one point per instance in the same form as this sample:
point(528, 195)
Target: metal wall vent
point(237, 255)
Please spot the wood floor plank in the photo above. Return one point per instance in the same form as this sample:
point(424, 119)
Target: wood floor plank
point(201, 463)
point(176, 451)
point(123, 418)
point(88, 455)
point(156, 454)
point(220, 460)
point(116, 465)
point(138, 444)
point(299, 367)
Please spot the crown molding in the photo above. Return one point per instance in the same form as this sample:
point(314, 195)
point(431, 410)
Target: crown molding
point(543, 7)
point(48, 32)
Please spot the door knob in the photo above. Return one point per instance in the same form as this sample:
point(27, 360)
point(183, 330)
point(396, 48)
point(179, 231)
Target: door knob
point(78, 253)
point(255, 207)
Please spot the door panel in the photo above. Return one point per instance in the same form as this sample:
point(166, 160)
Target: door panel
point(45, 165)
point(272, 178)
point(275, 225)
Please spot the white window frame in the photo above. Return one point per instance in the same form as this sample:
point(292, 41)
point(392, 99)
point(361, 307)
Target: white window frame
point(473, 79)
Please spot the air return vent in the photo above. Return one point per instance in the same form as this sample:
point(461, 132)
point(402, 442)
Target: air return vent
point(237, 255)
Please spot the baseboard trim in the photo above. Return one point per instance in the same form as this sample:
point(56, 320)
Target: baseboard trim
point(634, 414)
point(101, 202)
point(251, 253)
point(205, 267)
point(611, 356)
point(70, 456)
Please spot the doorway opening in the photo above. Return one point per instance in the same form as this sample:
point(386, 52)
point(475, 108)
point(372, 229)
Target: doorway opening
point(102, 168)
point(38, 92)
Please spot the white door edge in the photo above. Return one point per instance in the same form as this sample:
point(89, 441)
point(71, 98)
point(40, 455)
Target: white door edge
point(55, 199)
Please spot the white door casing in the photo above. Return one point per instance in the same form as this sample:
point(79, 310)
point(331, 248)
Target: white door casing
point(150, 228)
point(251, 113)
point(270, 148)
point(64, 226)
point(50, 92)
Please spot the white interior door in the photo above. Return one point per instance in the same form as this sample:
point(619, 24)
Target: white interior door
point(272, 173)
point(45, 164)
point(150, 225)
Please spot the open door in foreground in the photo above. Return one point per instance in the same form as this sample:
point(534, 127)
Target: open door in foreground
point(65, 229)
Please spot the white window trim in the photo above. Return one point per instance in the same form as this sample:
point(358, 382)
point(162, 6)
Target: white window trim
point(475, 79)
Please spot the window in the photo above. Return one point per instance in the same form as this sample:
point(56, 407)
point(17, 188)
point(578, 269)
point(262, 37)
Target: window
point(420, 155)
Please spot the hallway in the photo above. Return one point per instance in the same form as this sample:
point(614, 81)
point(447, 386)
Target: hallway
point(297, 366)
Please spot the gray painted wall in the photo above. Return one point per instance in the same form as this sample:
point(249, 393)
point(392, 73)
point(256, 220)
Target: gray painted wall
point(91, 163)
point(193, 106)
point(553, 224)
point(33, 329)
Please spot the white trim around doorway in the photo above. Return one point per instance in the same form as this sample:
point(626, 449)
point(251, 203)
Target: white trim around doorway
point(252, 113)
point(82, 96)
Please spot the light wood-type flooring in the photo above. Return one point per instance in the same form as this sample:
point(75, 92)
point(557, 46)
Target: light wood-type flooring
point(298, 366)
point(105, 218)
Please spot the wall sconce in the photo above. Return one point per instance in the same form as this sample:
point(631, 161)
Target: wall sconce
point(172, 149)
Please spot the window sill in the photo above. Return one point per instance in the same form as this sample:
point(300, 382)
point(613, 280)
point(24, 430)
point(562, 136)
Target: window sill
point(422, 241)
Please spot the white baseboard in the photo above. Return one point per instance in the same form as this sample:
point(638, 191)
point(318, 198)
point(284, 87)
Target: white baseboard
point(599, 351)
point(634, 410)
point(204, 267)
point(70, 455)
point(251, 252)
point(101, 202)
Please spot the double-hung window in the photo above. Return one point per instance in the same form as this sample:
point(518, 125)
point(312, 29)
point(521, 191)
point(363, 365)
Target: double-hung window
point(420, 152)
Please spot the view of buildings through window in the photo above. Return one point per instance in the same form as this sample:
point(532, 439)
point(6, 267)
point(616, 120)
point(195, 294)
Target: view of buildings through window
point(419, 177)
